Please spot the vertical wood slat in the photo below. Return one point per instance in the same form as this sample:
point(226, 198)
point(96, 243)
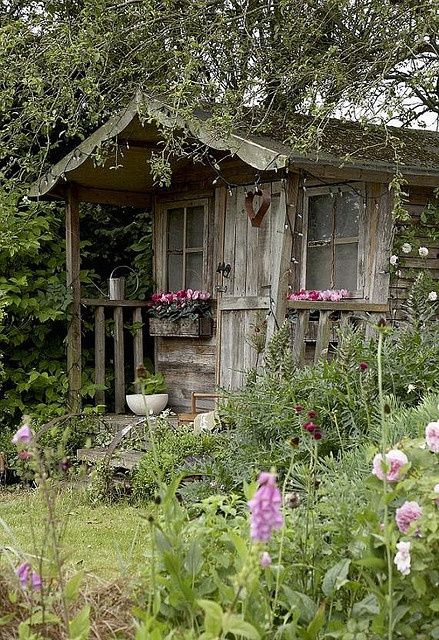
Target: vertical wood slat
point(100, 353)
point(74, 288)
point(137, 345)
point(323, 335)
point(119, 361)
point(299, 336)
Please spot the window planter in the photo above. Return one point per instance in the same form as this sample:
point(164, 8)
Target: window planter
point(183, 328)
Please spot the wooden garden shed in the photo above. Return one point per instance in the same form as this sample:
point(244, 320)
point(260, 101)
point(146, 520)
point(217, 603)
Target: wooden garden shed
point(248, 218)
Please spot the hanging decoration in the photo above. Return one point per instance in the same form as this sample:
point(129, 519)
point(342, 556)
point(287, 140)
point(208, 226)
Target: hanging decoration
point(256, 217)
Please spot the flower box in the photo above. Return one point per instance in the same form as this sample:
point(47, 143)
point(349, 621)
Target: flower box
point(182, 328)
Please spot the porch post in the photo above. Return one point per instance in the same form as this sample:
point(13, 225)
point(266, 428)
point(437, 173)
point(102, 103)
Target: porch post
point(74, 289)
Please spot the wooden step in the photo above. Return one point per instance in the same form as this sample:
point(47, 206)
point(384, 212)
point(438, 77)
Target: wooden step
point(120, 459)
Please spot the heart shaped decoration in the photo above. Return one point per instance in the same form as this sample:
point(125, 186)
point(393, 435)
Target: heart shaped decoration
point(256, 217)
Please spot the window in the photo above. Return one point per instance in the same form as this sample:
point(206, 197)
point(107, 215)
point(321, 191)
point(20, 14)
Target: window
point(185, 245)
point(333, 239)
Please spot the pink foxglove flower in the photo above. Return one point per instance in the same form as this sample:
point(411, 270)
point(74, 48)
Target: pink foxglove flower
point(23, 435)
point(394, 461)
point(28, 577)
point(406, 514)
point(432, 436)
point(265, 508)
point(265, 560)
point(402, 558)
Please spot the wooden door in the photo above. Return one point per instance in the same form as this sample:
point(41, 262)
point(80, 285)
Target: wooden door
point(244, 297)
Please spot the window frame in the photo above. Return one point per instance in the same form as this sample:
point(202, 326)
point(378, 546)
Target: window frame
point(361, 238)
point(184, 204)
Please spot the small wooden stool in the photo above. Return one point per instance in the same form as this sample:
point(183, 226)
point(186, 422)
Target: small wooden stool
point(189, 417)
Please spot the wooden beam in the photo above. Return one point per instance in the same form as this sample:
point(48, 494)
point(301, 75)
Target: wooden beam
point(104, 302)
point(283, 228)
point(100, 353)
point(136, 199)
point(137, 345)
point(74, 289)
point(119, 361)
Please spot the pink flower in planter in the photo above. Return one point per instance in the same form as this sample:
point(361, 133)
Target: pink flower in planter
point(406, 514)
point(432, 436)
point(23, 435)
point(181, 293)
point(204, 295)
point(196, 294)
point(265, 508)
point(156, 297)
point(189, 293)
point(394, 460)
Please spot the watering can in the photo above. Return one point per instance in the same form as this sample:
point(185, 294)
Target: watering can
point(116, 286)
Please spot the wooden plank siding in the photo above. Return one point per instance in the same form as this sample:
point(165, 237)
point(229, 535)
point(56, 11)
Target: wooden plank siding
point(410, 265)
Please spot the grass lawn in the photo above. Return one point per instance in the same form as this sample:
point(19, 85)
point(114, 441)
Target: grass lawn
point(101, 540)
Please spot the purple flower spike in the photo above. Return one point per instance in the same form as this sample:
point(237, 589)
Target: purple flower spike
point(22, 573)
point(24, 435)
point(265, 508)
point(37, 583)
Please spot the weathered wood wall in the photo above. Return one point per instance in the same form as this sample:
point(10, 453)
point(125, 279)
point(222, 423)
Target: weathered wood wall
point(412, 264)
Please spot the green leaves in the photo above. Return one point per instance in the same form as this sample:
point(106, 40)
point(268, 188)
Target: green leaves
point(217, 622)
point(335, 577)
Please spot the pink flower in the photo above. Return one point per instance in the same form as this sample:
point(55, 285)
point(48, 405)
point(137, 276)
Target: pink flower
point(405, 515)
point(23, 435)
point(204, 295)
point(310, 427)
point(189, 293)
point(402, 558)
point(335, 296)
point(317, 435)
point(23, 573)
point(27, 576)
point(432, 436)
point(181, 293)
point(436, 490)
point(265, 560)
point(312, 413)
point(24, 455)
point(156, 297)
point(394, 461)
point(265, 508)
point(195, 295)
point(363, 366)
point(298, 408)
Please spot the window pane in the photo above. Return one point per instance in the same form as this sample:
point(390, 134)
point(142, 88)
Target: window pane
point(194, 270)
point(318, 268)
point(194, 227)
point(175, 228)
point(320, 217)
point(347, 215)
point(346, 266)
point(175, 272)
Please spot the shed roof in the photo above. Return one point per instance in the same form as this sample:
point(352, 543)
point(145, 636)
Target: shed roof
point(339, 144)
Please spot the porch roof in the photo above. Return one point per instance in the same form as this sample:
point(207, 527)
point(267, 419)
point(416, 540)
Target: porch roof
point(341, 144)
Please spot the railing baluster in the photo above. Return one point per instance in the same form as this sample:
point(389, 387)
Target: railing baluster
point(119, 361)
point(323, 335)
point(299, 336)
point(100, 353)
point(137, 344)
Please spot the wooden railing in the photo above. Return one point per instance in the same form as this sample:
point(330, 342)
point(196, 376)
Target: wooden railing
point(322, 332)
point(117, 307)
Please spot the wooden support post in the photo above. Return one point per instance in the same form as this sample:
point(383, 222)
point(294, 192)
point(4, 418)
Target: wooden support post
point(137, 345)
point(323, 336)
point(119, 362)
point(299, 344)
point(100, 353)
point(74, 289)
point(283, 226)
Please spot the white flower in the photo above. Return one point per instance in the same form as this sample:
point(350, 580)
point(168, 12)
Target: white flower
point(393, 260)
point(402, 558)
point(432, 296)
point(411, 388)
point(406, 247)
point(423, 252)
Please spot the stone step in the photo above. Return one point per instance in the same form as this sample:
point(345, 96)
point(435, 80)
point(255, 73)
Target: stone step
point(120, 459)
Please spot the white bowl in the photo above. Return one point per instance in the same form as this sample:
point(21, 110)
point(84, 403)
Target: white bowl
point(155, 403)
